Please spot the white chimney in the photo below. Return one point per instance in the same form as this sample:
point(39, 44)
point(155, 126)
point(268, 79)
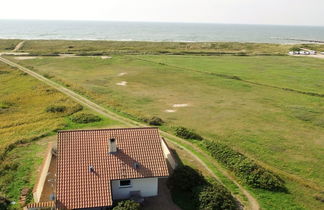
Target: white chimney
point(112, 145)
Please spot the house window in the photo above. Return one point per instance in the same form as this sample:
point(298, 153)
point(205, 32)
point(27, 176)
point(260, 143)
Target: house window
point(125, 183)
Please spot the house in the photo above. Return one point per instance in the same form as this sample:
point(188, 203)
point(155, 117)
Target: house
point(96, 167)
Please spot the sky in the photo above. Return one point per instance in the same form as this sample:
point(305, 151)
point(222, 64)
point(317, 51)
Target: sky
point(277, 12)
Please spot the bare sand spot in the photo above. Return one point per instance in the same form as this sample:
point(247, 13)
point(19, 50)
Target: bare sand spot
point(170, 110)
point(25, 58)
point(106, 57)
point(180, 105)
point(122, 74)
point(14, 53)
point(123, 83)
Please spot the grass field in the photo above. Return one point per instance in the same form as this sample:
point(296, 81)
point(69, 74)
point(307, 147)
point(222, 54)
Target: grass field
point(23, 121)
point(27, 127)
point(280, 128)
point(48, 47)
point(8, 45)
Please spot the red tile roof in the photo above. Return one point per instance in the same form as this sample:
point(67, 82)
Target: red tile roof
point(47, 204)
point(77, 150)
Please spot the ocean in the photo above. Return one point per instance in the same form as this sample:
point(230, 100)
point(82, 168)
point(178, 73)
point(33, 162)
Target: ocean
point(150, 31)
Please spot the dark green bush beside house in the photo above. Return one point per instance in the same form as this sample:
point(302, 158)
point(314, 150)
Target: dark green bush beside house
point(127, 205)
point(185, 178)
point(214, 197)
point(247, 170)
point(84, 118)
point(190, 191)
point(187, 134)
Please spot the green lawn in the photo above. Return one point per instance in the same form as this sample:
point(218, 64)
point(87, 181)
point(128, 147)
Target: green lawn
point(282, 129)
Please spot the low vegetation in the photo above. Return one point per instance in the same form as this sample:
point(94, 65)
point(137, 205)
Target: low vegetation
point(155, 121)
point(214, 196)
point(127, 205)
point(187, 133)
point(8, 44)
point(85, 118)
point(190, 190)
point(250, 172)
point(55, 109)
point(98, 48)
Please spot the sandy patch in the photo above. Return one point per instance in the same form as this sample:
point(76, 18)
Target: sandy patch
point(106, 57)
point(170, 110)
point(180, 105)
point(123, 83)
point(14, 53)
point(122, 74)
point(25, 58)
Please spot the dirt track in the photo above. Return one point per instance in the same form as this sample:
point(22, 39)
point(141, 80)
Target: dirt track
point(252, 202)
point(18, 46)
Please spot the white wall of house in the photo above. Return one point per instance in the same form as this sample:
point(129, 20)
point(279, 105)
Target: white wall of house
point(147, 186)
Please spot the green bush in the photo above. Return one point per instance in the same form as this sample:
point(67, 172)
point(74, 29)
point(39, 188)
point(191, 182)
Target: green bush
point(185, 178)
point(190, 190)
point(295, 49)
point(4, 202)
point(55, 108)
point(249, 171)
point(127, 205)
point(214, 197)
point(187, 134)
point(155, 121)
point(85, 118)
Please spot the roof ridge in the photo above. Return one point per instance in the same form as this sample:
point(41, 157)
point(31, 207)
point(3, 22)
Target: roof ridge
point(107, 129)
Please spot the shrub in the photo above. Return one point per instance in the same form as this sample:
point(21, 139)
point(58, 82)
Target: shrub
point(187, 134)
point(185, 178)
point(155, 121)
point(127, 205)
point(4, 202)
point(214, 197)
point(295, 49)
point(249, 171)
point(85, 118)
point(75, 109)
point(55, 108)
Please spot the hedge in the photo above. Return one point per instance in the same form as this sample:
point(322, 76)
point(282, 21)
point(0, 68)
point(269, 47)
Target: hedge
point(187, 134)
point(246, 169)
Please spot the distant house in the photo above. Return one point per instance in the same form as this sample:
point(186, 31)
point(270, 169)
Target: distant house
point(96, 167)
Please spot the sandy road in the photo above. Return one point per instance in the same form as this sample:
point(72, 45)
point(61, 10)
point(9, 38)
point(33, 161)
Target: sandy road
point(252, 202)
point(18, 46)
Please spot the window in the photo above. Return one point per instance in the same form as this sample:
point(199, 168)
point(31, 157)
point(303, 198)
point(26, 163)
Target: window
point(125, 183)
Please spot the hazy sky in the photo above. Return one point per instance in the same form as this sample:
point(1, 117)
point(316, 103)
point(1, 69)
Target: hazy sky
point(291, 12)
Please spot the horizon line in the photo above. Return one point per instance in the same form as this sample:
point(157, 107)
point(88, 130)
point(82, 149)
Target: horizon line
point(175, 22)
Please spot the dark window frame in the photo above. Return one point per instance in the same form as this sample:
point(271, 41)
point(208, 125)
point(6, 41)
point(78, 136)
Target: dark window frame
point(125, 183)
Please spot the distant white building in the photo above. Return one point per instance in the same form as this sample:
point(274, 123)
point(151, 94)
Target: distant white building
point(312, 52)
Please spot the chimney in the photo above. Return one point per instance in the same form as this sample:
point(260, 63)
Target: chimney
point(112, 145)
